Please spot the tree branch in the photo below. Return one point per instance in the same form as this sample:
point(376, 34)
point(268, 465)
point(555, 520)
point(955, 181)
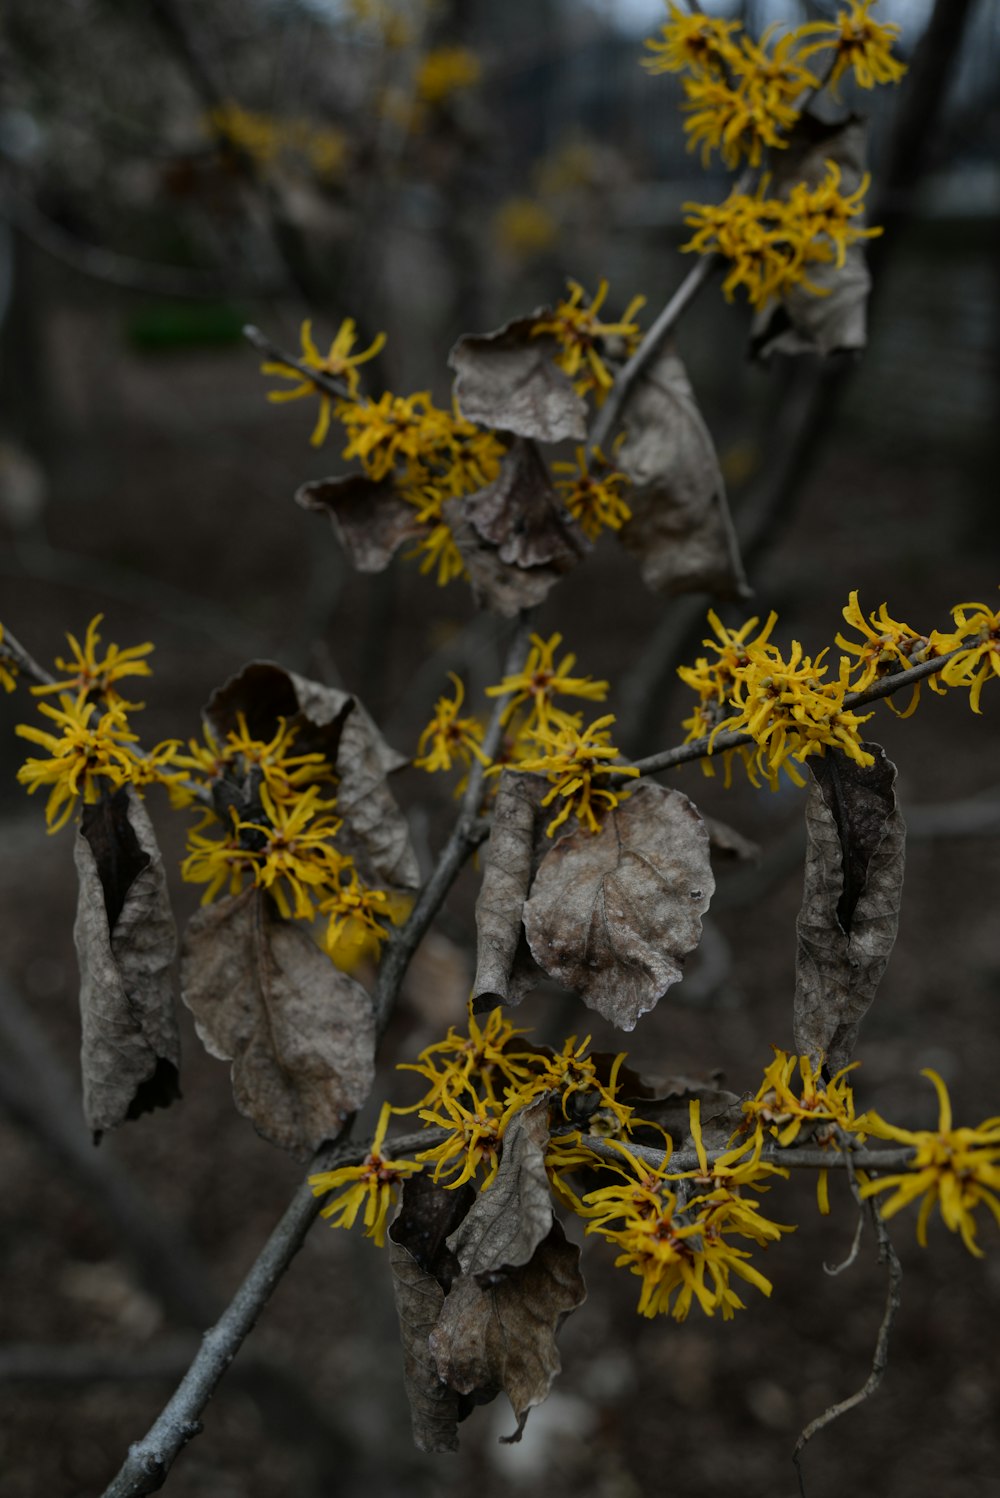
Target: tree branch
point(708, 745)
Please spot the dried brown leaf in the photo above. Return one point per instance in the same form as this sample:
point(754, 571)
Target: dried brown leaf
point(613, 914)
point(802, 322)
point(846, 928)
point(375, 832)
point(423, 1269)
point(509, 866)
point(680, 529)
point(506, 1223)
point(126, 942)
point(498, 1332)
point(369, 518)
point(508, 380)
point(300, 1033)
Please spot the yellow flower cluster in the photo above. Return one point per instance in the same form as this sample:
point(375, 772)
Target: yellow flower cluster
point(771, 243)
point(743, 97)
point(592, 492)
point(543, 738)
point(278, 834)
point(583, 338)
point(680, 1242)
point(791, 710)
point(682, 1232)
point(266, 139)
point(93, 750)
point(430, 455)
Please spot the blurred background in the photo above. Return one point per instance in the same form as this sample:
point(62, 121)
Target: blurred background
point(170, 171)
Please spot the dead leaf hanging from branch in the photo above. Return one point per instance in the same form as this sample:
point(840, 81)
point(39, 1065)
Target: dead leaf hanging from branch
point(126, 942)
point(680, 529)
point(507, 1222)
point(369, 518)
point(300, 1033)
point(614, 914)
point(846, 928)
point(508, 380)
point(509, 865)
point(423, 1270)
point(498, 1332)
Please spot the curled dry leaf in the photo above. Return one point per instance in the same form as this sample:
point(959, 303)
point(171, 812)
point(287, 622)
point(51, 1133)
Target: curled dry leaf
point(497, 1332)
point(300, 1033)
point(613, 914)
point(680, 529)
point(126, 942)
point(508, 380)
point(835, 321)
point(333, 723)
point(369, 519)
point(509, 866)
point(423, 1270)
point(855, 849)
point(507, 1223)
point(515, 536)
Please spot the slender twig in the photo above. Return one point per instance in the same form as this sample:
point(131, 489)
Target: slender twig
point(651, 343)
point(804, 1158)
point(880, 1358)
point(327, 383)
point(704, 747)
point(834, 1269)
point(12, 648)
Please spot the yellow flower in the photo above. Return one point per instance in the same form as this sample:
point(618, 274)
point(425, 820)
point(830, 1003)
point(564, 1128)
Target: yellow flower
point(696, 43)
point(714, 680)
point(356, 913)
point(474, 1059)
point(217, 861)
point(8, 667)
point(541, 680)
point(477, 1126)
point(955, 1168)
point(972, 667)
point(448, 737)
point(822, 1108)
point(87, 756)
point(524, 227)
point(739, 122)
point(777, 78)
point(92, 677)
point(860, 43)
point(293, 852)
point(573, 758)
point(577, 329)
point(824, 212)
point(593, 492)
point(446, 71)
point(339, 363)
point(887, 646)
point(791, 712)
point(372, 1184)
point(396, 427)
